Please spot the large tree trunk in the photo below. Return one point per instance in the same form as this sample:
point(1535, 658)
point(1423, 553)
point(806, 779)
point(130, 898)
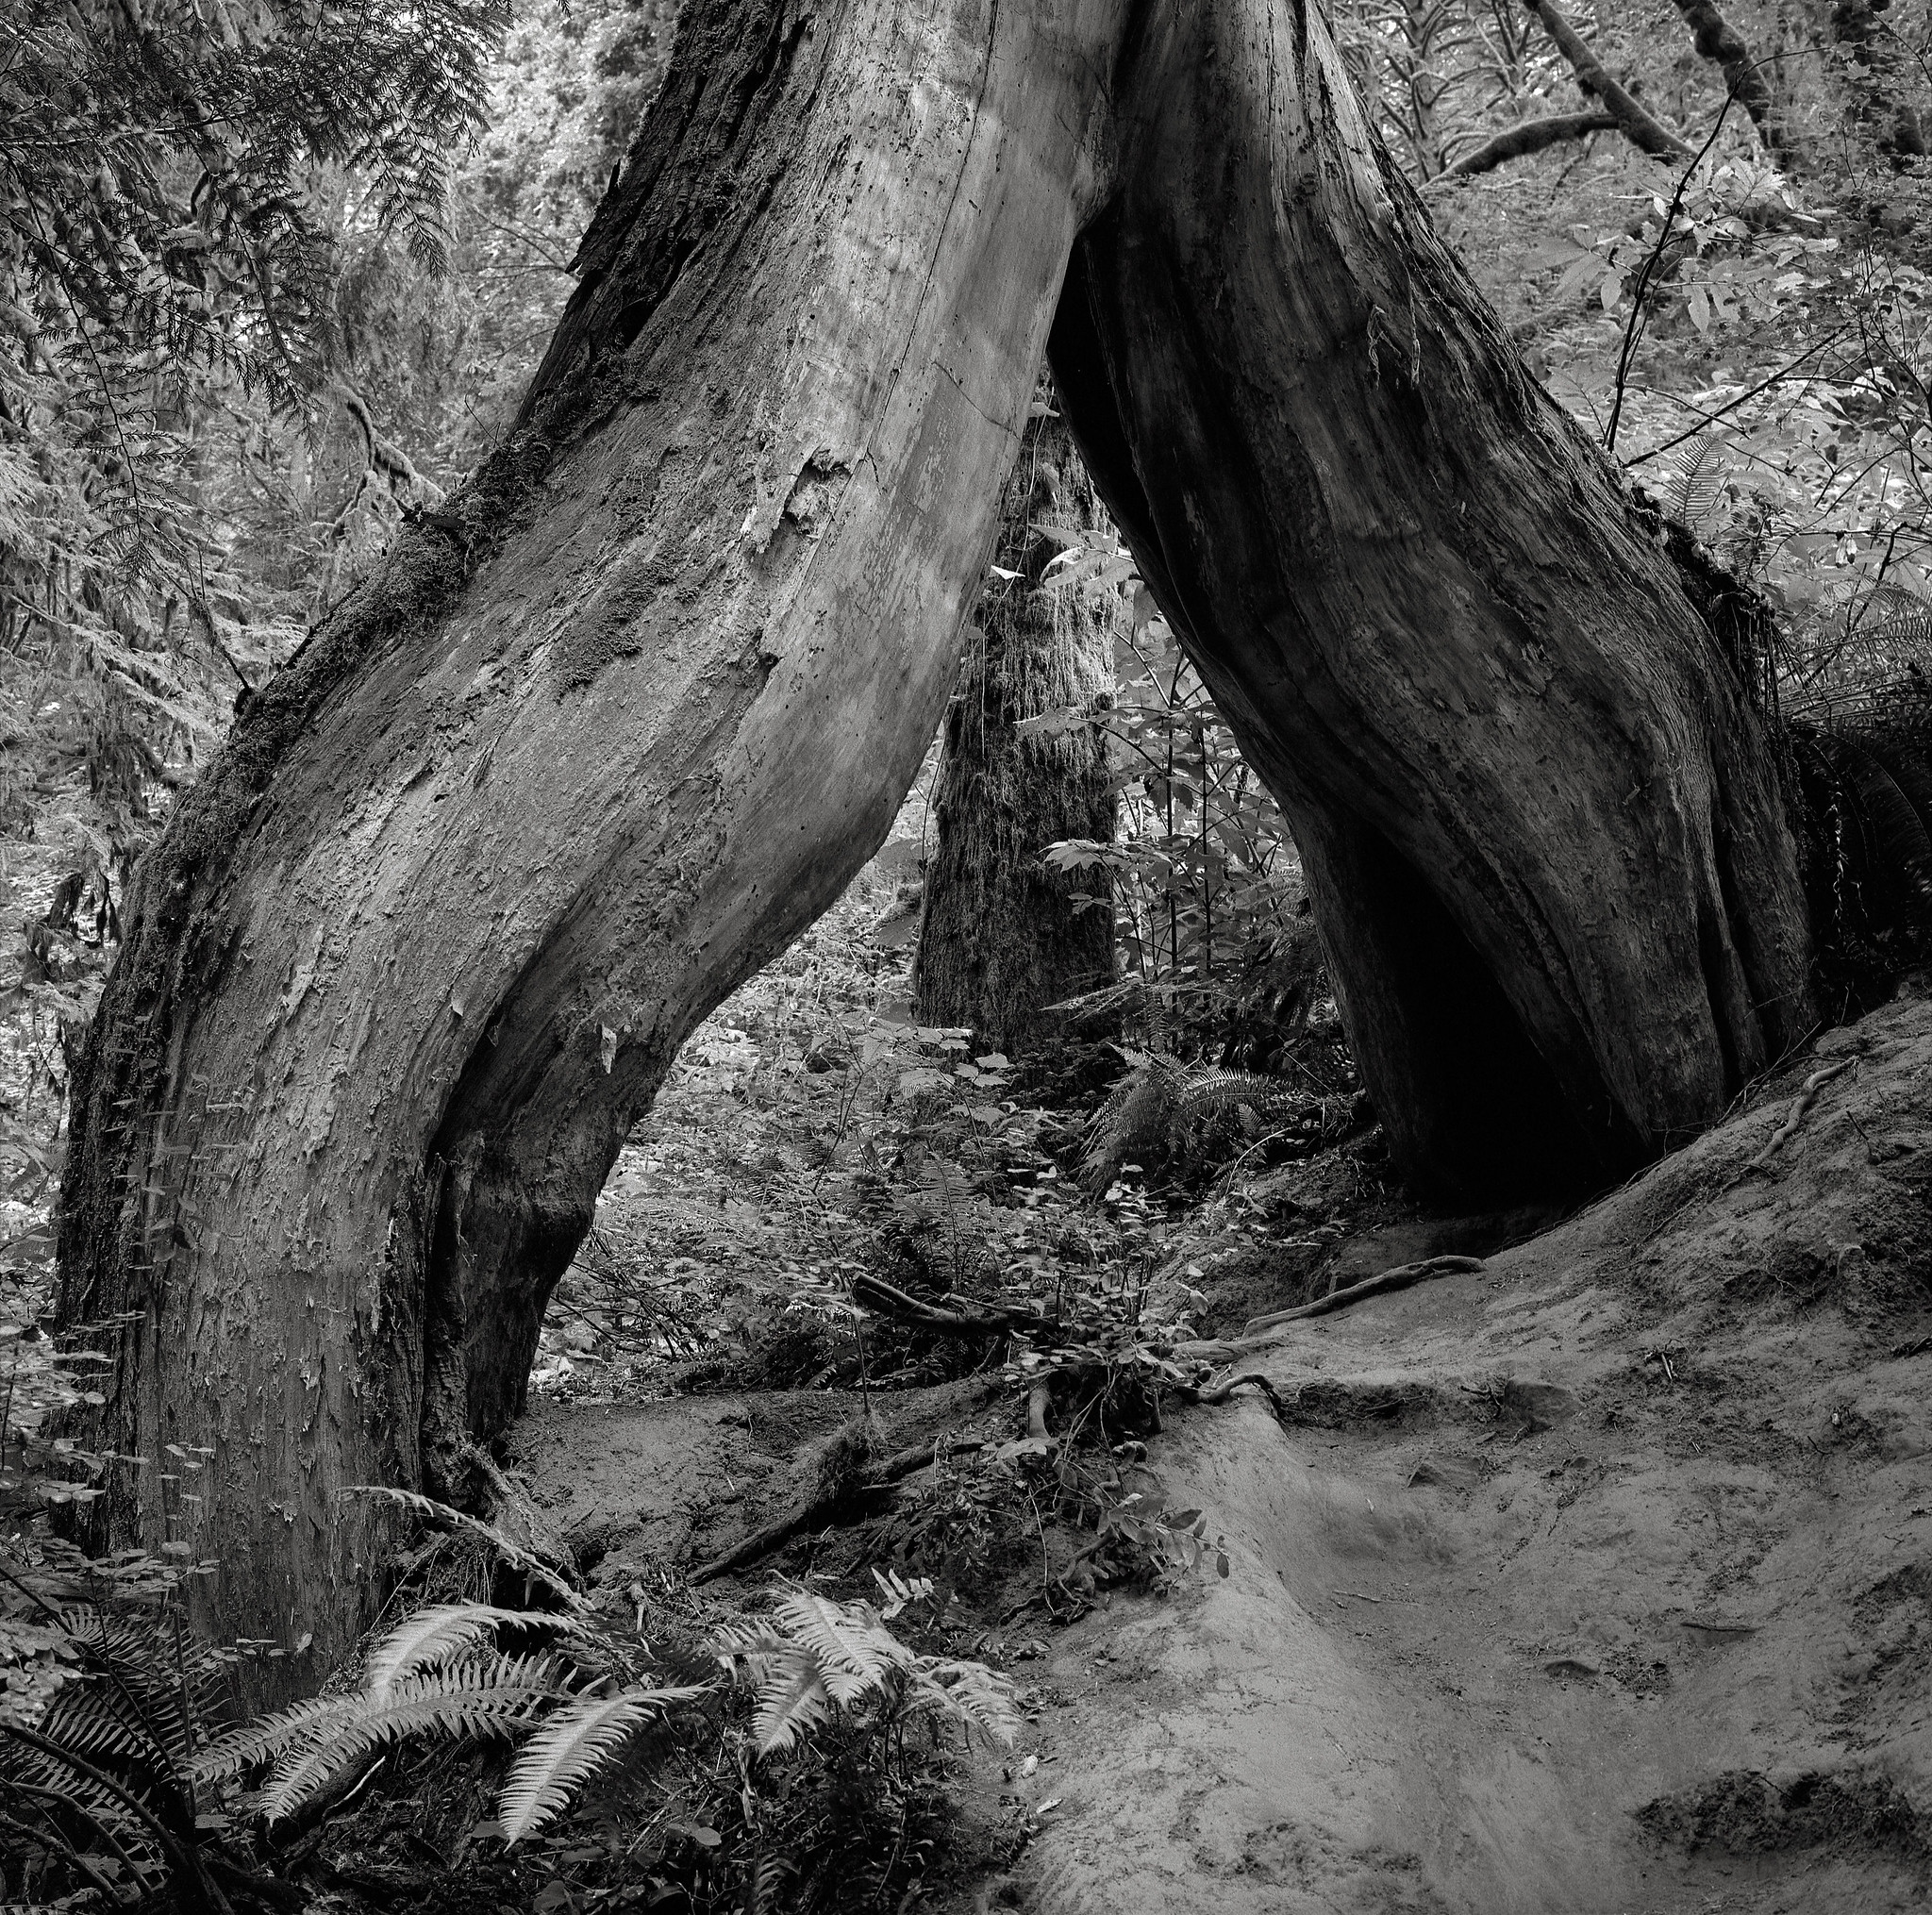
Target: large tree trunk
point(1542, 826)
point(609, 731)
point(586, 752)
point(1001, 935)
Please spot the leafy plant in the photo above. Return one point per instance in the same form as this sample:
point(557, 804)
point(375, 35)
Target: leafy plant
point(110, 1706)
point(814, 1659)
point(438, 1676)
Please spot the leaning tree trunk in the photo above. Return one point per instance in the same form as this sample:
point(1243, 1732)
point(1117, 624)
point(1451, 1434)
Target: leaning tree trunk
point(596, 741)
point(1542, 826)
point(1002, 935)
point(608, 731)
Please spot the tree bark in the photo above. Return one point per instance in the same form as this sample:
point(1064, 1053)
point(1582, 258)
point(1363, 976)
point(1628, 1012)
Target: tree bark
point(1528, 137)
point(608, 731)
point(1719, 43)
point(1001, 936)
point(1543, 826)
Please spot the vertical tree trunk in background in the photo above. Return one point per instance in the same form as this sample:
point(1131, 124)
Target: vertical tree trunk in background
point(1544, 829)
point(1001, 936)
point(414, 954)
point(608, 733)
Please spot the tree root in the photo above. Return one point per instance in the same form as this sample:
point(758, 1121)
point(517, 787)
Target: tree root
point(1399, 1279)
point(1807, 1098)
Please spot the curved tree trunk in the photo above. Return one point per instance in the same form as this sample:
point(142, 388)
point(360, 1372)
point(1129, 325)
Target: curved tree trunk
point(1001, 936)
point(590, 749)
point(1544, 829)
point(612, 728)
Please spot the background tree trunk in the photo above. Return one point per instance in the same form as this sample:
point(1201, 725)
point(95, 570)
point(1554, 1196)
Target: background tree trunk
point(594, 743)
point(1543, 826)
point(1000, 935)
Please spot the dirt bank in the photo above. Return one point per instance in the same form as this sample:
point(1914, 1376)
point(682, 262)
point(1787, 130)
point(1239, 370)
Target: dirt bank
point(1598, 1580)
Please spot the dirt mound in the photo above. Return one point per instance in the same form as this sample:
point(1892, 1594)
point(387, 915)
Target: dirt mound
point(1599, 1579)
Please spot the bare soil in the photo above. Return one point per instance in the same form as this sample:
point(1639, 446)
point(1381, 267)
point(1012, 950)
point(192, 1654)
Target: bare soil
point(1598, 1579)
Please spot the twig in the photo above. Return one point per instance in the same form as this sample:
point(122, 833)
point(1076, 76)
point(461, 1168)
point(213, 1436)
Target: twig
point(1805, 1098)
point(1731, 405)
point(1634, 330)
point(1399, 1279)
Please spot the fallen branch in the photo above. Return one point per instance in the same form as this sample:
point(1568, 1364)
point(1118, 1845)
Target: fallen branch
point(1637, 125)
point(1399, 1279)
point(1520, 141)
point(976, 1320)
point(1807, 1098)
point(826, 1504)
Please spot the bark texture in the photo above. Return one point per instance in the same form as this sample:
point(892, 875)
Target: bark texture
point(1001, 936)
point(1719, 43)
point(1544, 828)
point(581, 755)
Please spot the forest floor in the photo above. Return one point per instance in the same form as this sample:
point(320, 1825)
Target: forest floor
point(1596, 1577)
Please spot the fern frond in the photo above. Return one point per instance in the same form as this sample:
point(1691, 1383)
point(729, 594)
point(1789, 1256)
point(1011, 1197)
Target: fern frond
point(93, 1722)
point(435, 1636)
point(1694, 475)
point(470, 1702)
point(972, 1692)
point(570, 1747)
point(1894, 613)
point(1217, 1090)
point(855, 1650)
point(301, 1724)
point(793, 1698)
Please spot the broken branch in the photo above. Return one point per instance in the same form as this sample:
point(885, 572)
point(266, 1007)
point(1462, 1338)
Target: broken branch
point(1807, 1098)
point(1399, 1279)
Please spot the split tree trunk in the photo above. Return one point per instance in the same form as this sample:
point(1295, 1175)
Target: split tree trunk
point(1001, 936)
point(608, 732)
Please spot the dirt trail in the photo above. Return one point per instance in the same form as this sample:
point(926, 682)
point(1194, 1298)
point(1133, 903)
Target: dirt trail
point(1598, 1580)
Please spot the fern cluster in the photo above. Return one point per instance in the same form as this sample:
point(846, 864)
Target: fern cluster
point(442, 1676)
point(813, 1659)
point(1161, 1106)
point(97, 1778)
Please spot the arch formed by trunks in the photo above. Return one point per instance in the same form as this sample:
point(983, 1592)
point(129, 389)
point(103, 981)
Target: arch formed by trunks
point(607, 734)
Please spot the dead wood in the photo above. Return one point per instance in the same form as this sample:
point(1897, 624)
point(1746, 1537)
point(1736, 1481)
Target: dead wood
point(1399, 1279)
point(825, 1503)
point(1805, 1098)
